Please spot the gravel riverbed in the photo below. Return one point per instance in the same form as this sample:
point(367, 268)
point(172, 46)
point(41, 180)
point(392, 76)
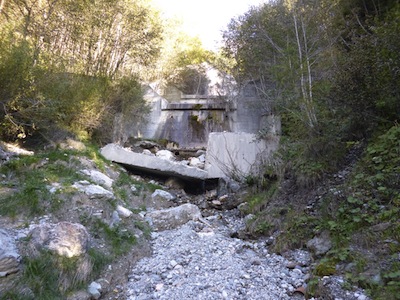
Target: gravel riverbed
point(200, 260)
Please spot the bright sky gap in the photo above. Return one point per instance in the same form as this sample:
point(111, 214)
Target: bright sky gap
point(207, 18)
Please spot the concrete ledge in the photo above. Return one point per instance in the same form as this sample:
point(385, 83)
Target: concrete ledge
point(153, 164)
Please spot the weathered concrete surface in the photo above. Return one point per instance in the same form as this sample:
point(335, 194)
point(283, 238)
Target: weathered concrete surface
point(237, 155)
point(153, 164)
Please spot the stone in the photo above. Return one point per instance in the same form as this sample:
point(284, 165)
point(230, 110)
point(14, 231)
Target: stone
point(152, 164)
point(115, 219)
point(159, 195)
point(223, 198)
point(211, 194)
point(173, 217)
point(64, 238)
point(216, 203)
point(195, 162)
point(147, 152)
point(99, 177)
point(227, 185)
point(381, 227)
point(94, 289)
point(202, 158)
point(200, 152)
point(79, 295)
point(165, 154)
point(9, 257)
point(124, 212)
point(92, 190)
point(321, 244)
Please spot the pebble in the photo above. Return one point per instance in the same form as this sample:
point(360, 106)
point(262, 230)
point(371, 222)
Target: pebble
point(196, 261)
point(201, 261)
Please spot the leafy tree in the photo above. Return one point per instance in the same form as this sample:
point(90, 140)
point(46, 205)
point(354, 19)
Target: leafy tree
point(180, 60)
point(366, 86)
point(58, 60)
point(288, 49)
point(281, 45)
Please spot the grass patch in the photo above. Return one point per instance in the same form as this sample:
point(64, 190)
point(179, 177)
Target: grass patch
point(119, 239)
point(48, 276)
point(298, 228)
point(31, 177)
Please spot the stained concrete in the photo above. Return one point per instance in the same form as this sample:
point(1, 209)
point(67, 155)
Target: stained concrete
point(237, 155)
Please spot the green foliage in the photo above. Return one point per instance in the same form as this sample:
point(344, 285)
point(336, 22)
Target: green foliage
point(120, 239)
point(191, 80)
point(144, 227)
point(366, 87)
point(62, 77)
point(299, 228)
point(382, 166)
point(31, 177)
point(49, 276)
point(325, 267)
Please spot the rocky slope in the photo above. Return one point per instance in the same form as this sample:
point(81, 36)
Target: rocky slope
point(88, 224)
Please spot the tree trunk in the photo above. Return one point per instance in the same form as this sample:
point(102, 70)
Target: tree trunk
point(305, 75)
point(2, 3)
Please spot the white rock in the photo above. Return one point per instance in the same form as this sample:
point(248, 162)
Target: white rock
point(173, 217)
point(124, 212)
point(94, 290)
point(163, 195)
point(99, 177)
point(115, 219)
point(165, 154)
point(152, 164)
point(92, 190)
point(147, 152)
point(195, 162)
point(9, 257)
point(202, 158)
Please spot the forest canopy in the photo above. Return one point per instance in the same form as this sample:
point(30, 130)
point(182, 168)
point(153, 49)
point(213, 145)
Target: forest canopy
point(62, 63)
point(330, 69)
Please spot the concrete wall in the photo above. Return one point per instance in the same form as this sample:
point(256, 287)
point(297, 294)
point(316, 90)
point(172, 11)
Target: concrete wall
point(237, 155)
point(189, 119)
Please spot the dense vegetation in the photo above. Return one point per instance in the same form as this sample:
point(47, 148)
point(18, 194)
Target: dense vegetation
point(71, 66)
point(329, 68)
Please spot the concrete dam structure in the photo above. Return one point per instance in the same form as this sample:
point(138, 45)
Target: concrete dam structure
point(187, 120)
point(226, 122)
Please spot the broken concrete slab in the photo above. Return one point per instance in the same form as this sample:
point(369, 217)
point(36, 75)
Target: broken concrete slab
point(152, 164)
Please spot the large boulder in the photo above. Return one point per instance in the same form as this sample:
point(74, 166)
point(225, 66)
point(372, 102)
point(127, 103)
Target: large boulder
point(64, 238)
point(9, 257)
point(173, 217)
